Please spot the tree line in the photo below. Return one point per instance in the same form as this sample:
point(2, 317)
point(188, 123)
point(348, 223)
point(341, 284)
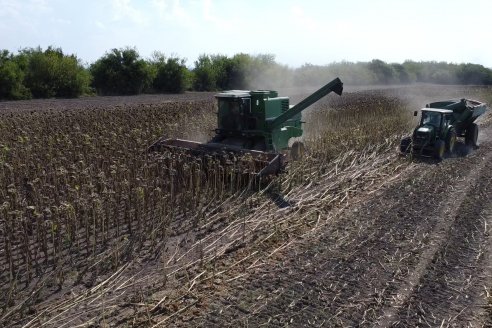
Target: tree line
point(38, 73)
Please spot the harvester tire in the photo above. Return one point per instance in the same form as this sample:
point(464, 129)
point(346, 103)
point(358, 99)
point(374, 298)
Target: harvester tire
point(439, 150)
point(405, 145)
point(471, 135)
point(451, 141)
point(297, 151)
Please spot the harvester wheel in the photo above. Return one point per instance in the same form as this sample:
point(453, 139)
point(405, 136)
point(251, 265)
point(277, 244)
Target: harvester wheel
point(439, 150)
point(405, 145)
point(451, 141)
point(297, 151)
point(471, 135)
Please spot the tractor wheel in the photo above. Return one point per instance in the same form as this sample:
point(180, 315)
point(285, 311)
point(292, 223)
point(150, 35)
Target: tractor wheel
point(405, 145)
point(297, 151)
point(471, 135)
point(439, 150)
point(451, 141)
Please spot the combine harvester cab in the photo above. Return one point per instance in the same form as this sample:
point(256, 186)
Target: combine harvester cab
point(441, 123)
point(253, 127)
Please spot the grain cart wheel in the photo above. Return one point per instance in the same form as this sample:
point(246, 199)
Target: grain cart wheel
point(297, 151)
point(405, 145)
point(451, 141)
point(471, 135)
point(439, 150)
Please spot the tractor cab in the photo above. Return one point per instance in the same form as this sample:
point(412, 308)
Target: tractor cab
point(243, 117)
point(436, 118)
point(434, 125)
point(432, 118)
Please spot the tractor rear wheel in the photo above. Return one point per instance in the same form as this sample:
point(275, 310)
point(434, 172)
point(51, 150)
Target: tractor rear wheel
point(471, 135)
point(439, 150)
point(451, 141)
point(297, 151)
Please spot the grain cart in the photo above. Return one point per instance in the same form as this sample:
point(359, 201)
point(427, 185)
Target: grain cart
point(439, 126)
point(257, 124)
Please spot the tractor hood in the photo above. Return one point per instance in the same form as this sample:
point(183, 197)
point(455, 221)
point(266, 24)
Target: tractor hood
point(425, 129)
point(424, 134)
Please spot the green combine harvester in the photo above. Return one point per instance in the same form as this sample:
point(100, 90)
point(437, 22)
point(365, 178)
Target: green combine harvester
point(257, 124)
point(440, 125)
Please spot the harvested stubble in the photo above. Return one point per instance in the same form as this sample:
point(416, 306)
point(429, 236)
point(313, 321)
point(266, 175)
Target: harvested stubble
point(80, 194)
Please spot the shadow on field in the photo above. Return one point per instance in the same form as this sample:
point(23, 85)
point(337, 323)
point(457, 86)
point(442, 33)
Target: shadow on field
point(279, 199)
point(461, 150)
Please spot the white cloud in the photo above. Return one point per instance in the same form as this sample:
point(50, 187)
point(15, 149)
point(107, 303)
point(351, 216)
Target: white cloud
point(124, 10)
point(61, 21)
point(302, 20)
point(207, 10)
point(173, 11)
point(22, 16)
point(161, 6)
point(100, 25)
point(12, 9)
point(219, 22)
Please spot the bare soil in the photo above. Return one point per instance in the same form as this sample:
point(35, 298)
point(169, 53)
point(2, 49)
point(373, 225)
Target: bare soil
point(417, 253)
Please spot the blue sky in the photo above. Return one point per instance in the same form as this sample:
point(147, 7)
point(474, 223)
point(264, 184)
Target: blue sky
point(295, 31)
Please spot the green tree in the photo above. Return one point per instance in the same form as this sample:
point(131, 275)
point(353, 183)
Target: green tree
point(121, 72)
point(41, 72)
point(205, 78)
point(238, 71)
point(401, 75)
point(221, 66)
point(51, 73)
point(384, 73)
point(413, 70)
point(72, 78)
point(473, 74)
point(171, 74)
point(11, 78)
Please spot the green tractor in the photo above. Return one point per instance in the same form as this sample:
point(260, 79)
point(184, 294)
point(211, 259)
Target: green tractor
point(440, 125)
point(255, 123)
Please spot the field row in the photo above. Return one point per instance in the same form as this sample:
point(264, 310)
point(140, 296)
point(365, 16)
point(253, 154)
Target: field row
point(79, 186)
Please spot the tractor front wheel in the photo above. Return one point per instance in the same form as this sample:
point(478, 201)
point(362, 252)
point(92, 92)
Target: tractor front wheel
point(439, 150)
point(451, 141)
